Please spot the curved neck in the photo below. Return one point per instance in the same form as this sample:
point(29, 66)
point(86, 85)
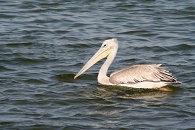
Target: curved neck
point(102, 76)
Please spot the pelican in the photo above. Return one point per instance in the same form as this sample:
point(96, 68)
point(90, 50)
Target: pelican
point(136, 76)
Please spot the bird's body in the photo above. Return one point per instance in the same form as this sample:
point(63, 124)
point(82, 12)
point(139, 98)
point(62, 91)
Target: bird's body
point(136, 76)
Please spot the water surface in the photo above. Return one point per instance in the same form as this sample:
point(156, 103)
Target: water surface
point(44, 44)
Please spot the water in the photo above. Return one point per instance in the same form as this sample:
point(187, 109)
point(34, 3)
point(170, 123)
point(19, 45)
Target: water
point(43, 44)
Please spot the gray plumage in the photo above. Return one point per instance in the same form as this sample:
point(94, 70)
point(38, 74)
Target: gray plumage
point(141, 73)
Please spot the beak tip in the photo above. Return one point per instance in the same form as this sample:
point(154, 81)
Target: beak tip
point(75, 77)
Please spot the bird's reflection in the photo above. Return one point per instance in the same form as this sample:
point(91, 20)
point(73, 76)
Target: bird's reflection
point(131, 93)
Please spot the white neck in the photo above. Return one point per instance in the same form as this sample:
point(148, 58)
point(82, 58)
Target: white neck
point(102, 76)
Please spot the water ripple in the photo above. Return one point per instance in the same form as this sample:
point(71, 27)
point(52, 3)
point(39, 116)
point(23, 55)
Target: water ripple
point(45, 43)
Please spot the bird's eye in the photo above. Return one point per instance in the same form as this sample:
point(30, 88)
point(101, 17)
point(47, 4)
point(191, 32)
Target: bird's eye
point(104, 45)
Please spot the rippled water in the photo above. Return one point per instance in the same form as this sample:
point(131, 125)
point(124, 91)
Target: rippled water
point(43, 44)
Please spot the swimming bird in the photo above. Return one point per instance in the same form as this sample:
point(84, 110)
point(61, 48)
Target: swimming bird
point(135, 76)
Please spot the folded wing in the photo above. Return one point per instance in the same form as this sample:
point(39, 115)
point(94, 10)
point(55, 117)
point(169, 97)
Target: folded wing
point(141, 73)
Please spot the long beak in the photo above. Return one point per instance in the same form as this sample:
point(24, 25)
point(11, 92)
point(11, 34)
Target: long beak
point(100, 54)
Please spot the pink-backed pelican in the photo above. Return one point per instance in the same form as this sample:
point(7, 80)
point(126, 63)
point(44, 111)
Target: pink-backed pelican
point(136, 76)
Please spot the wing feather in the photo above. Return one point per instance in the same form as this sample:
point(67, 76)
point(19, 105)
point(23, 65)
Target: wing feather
point(140, 73)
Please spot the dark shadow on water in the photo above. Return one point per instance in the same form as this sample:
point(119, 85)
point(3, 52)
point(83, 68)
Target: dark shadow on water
point(69, 78)
point(64, 77)
point(19, 44)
